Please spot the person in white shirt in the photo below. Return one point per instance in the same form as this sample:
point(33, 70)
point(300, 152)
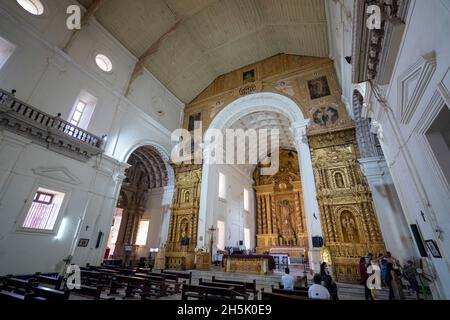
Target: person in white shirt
point(287, 280)
point(317, 291)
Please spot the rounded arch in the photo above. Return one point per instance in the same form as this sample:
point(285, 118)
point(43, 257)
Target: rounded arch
point(161, 151)
point(258, 102)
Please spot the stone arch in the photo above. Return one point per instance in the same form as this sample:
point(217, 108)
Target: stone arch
point(255, 103)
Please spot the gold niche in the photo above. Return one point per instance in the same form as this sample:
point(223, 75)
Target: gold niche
point(280, 213)
point(349, 221)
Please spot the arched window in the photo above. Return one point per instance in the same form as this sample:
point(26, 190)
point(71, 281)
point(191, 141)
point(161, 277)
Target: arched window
point(35, 7)
point(103, 62)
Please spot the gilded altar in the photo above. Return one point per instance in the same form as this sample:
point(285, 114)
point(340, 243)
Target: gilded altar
point(281, 221)
point(349, 221)
point(183, 226)
point(250, 264)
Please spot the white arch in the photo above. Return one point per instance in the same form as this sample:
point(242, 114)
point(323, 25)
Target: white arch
point(265, 101)
point(164, 153)
point(261, 102)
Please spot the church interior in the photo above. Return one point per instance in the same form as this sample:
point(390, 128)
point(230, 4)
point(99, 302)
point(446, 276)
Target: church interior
point(95, 203)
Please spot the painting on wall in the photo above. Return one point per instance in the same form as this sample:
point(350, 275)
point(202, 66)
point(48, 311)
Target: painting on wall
point(318, 88)
point(326, 117)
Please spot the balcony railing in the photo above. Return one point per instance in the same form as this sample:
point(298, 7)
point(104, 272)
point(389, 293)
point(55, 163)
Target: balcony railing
point(57, 133)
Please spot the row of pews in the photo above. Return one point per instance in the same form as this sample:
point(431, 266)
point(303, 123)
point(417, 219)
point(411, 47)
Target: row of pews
point(281, 294)
point(97, 283)
point(217, 289)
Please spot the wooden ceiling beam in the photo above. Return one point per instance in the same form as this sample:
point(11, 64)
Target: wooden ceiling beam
point(90, 12)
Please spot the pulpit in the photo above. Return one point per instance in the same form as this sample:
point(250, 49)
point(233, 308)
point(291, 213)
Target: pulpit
point(203, 261)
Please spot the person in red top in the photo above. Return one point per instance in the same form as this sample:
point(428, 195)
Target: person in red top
point(364, 277)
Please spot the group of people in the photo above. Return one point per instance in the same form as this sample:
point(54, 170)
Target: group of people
point(391, 274)
point(323, 288)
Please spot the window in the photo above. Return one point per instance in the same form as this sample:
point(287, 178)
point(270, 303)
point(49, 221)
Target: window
point(141, 238)
point(220, 235)
point(438, 136)
point(6, 50)
point(247, 238)
point(104, 63)
point(246, 200)
point(82, 111)
point(222, 186)
point(35, 7)
point(76, 116)
point(44, 210)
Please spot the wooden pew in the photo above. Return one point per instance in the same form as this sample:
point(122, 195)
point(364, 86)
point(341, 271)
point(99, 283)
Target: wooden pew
point(56, 282)
point(90, 278)
point(153, 289)
point(90, 291)
point(279, 296)
point(299, 293)
point(240, 288)
point(171, 280)
point(11, 296)
point(250, 287)
point(51, 294)
point(181, 275)
point(18, 286)
point(209, 293)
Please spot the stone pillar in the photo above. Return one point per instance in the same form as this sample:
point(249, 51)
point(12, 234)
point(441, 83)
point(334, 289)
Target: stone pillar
point(312, 212)
point(394, 226)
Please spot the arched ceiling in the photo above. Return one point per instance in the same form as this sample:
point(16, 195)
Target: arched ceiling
point(265, 120)
point(186, 44)
point(150, 161)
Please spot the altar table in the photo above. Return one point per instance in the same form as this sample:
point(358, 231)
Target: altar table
point(251, 264)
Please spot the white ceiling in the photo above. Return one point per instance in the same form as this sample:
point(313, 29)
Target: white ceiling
point(265, 120)
point(209, 38)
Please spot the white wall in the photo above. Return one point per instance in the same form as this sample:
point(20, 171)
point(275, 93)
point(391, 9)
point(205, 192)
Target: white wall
point(51, 80)
point(231, 210)
point(419, 182)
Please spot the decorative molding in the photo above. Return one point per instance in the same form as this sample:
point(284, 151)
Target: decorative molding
point(57, 173)
point(412, 85)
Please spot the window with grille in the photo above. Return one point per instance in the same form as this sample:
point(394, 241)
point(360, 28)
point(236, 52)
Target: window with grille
point(44, 210)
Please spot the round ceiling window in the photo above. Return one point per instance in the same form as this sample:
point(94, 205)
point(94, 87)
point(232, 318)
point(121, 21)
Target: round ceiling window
point(34, 7)
point(103, 62)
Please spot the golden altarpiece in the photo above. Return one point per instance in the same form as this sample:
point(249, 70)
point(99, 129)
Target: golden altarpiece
point(281, 222)
point(349, 223)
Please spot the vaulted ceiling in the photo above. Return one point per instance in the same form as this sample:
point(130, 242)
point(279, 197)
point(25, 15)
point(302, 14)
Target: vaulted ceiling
point(186, 44)
point(264, 120)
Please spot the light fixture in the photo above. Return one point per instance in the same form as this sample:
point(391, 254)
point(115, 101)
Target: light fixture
point(35, 7)
point(103, 62)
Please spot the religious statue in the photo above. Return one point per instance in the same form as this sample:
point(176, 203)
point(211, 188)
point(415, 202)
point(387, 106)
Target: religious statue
point(286, 224)
point(349, 228)
point(187, 197)
point(339, 180)
point(184, 238)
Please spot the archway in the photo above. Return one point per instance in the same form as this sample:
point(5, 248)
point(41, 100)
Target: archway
point(143, 211)
point(259, 111)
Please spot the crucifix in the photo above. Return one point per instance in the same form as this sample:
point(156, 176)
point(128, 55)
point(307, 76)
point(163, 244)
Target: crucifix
point(211, 240)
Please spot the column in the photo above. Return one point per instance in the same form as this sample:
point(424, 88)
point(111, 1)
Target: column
point(312, 212)
point(394, 227)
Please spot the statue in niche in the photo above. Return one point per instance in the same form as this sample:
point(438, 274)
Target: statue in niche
point(287, 224)
point(187, 197)
point(349, 228)
point(339, 180)
point(184, 238)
